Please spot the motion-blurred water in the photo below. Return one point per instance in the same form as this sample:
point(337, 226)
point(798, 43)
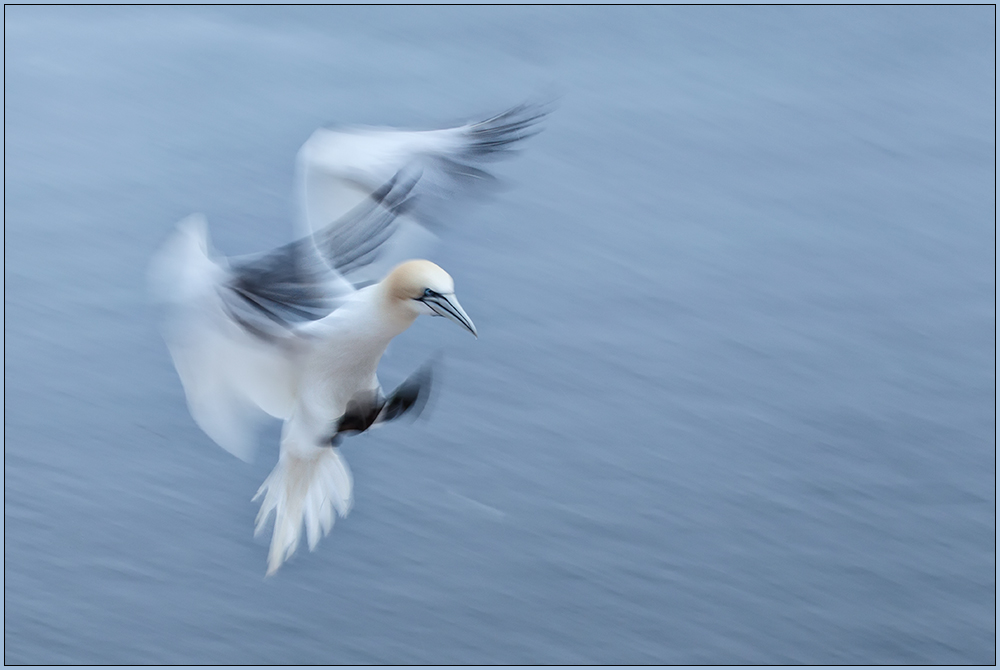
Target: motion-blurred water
point(733, 396)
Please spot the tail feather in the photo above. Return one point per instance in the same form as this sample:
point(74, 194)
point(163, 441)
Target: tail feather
point(303, 490)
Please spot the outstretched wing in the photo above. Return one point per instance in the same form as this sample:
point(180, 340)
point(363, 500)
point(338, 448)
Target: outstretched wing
point(337, 169)
point(232, 380)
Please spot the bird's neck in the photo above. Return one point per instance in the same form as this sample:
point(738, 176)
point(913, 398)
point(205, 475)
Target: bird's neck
point(393, 313)
point(362, 329)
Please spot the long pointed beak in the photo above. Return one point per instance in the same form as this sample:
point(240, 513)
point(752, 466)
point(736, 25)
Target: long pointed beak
point(448, 307)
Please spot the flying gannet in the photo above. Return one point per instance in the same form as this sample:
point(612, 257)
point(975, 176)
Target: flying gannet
point(289, 333)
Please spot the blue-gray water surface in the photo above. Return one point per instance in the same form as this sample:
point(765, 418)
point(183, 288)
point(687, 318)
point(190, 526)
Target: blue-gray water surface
point(733, 396)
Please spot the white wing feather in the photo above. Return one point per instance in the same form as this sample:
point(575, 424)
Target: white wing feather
point(231, 379)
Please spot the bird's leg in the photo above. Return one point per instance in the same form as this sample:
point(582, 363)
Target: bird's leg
point(360, 414)
point(364, 411)
point(410, 395)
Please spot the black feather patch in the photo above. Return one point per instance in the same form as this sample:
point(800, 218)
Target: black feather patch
point(368, 409)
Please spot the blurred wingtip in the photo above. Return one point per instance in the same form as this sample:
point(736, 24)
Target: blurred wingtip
point(181, 260)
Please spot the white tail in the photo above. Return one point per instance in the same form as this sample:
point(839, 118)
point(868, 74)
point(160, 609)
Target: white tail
point(303, 489)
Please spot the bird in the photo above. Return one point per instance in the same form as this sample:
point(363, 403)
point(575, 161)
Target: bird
point(297, 333)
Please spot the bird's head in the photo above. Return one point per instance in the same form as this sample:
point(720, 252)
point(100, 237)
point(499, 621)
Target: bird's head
point(422, 287)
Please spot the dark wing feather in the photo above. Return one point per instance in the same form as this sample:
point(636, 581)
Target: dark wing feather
point(354, 241)
point(461, 172)
point(302, 281)
point(495, 137)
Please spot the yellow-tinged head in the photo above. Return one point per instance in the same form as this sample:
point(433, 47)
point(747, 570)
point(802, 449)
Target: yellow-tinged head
point(424, 288)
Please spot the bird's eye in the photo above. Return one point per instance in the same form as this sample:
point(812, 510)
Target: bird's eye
point(428, 293)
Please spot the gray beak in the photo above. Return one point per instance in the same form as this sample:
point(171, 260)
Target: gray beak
point(446, 305)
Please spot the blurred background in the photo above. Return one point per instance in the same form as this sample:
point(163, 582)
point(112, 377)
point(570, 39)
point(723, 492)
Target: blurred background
point(733, 396)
